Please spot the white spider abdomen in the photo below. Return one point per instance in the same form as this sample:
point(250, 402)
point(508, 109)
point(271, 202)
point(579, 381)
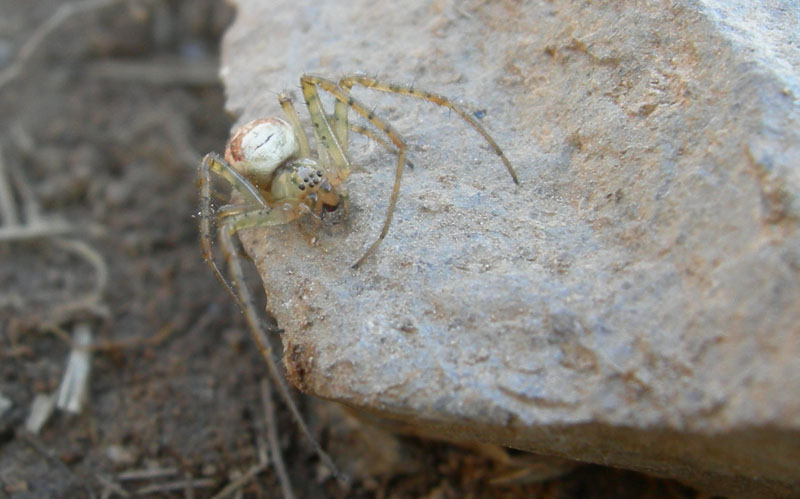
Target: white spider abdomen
point(257, 148)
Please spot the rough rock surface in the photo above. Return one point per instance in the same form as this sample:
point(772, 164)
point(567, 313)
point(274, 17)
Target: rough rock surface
point(634, 302)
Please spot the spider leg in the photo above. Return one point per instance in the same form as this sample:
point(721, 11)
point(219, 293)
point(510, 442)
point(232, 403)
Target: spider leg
point(340, 120)
point(231, 209)
point(237, 217)
point(214, 162)
point(366, 132)
point(326, 138)
point(340, 124)
point(294, 120)
point(310, 83)
point(235, 223)
point(347, 82)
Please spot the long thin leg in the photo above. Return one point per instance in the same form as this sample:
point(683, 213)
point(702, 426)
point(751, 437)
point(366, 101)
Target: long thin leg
point(323, 131)
point(340, 123)
point(340, 120)
point(310, 83)
point(236, 219)
point(256, 327)
point(294, 120)
point(348, 81)
point(366, 132)
point(214, 162)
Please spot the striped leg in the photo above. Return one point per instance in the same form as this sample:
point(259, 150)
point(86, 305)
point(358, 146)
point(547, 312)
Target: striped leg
point(294, 120)
point(215, 163)
point(323, 128)
point(234, 218)
point(347, 83)
point(323, 132)
point(366, 132)
point(250, 311)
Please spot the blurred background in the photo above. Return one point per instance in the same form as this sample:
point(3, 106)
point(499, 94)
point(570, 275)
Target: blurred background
point(107, 107)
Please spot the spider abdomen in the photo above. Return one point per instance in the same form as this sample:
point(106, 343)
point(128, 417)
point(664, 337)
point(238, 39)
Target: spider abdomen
point(259, 147)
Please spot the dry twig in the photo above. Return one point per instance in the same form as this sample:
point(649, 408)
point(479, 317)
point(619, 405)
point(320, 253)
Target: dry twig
point(237, 484)
point(73, 390)
point(274, 443)
point(36, 444)
point(263, 461)
point(146, 474)
point(157, 72)
point(110, 487)
point(8, 208)
point(56, 19)
point(200, 483)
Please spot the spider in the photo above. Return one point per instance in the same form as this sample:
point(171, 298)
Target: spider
point(268, 162)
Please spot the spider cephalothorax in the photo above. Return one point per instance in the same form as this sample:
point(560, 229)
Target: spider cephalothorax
point(269, 163)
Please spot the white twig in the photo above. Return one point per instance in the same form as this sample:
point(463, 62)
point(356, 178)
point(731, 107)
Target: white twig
point(72, 392)
point(176, 485)
point(147, 474)
point(41, 409)
point(94, 259)
point(5, 404)
point(34, 231)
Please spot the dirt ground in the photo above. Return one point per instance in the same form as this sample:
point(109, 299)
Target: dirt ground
point(106, 114)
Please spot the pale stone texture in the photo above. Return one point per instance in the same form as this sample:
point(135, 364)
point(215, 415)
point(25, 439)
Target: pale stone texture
point(634, 302)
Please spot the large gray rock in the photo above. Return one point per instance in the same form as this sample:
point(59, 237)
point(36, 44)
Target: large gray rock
point(634, 302)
